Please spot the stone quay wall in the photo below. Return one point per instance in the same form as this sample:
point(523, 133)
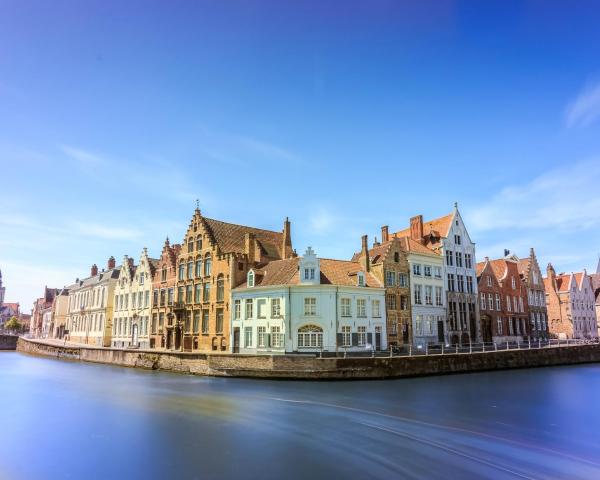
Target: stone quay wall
point(8, 342)
point(312, 368)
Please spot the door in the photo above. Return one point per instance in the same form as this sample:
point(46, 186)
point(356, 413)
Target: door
point(404, 333)
point(486, 329)
point(134, 335)
point(440, 328)
point(377, 338)
point(236, 340)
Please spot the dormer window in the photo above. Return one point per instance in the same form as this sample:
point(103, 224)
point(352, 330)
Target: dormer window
point(250, 278)
point(361, 279)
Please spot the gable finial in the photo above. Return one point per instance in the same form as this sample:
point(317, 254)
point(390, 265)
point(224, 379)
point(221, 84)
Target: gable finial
point(197, 204)
point(455, 204)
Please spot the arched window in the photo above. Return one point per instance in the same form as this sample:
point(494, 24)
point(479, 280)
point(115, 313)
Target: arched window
point(250, 278)
point(190, 270)
point(310, 336)
point(199, 267)
point(190, 245)
point(199, 243)
point(207, 264)
point(220, 288)
point(182, 271)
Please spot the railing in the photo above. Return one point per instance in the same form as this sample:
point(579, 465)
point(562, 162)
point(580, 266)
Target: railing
point(444, 349)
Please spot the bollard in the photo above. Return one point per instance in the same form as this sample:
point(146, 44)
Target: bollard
point(391, 352)
point(539, 343)
point(507, 344)
point(529, 342)
point(410, 350)
point(442, 348)
point(457, 348)
point(470, 347)
point(426, 349)
point(495, 347)
point(483, 347)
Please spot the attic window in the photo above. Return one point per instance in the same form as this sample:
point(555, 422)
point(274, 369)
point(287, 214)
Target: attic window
point(361, 279)
point(396, 257)
point(250, 278)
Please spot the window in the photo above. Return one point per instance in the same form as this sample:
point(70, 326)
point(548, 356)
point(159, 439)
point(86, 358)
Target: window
point(163, 274)
point(237, 309)
point(197, 292)
point(147, 298)
point(205, 322)
point(249, 308)
point(197, 321)
point(419, 324)
point(512, 281)
point(521, 305)
point(361, 279)
point(261, 308)
point(489, 280)
point(396, 257)
point(190, 245)
point(451, 282)
point(190, 270)
point(180, 293)
point(276, 337)
point(417, 293)
point(390, 278)
point(170, 297)
point(310, 307)
point(220, 289)
point(460, 282)
point(417, 269)
point(499, 325)
point(437, 272)
point(361, 307)
point(345, 309)
point(247, 337)
point(310, 336)
point(250, 278)
point(161, 321)
point(198, 268)
point(188, 294)
point(449, 257)
point(438, 296)
point(376, 308)
point(133, 299)
point(207, 265)
point(206, 292)
point(142, 278)
point(312, 273)
point(459, 259)
point(511, 327)
point(219, 320)
point(275, 307)
point(427, 270)
point(508, 304)
point(469, 284)
point(155, 297)
point(428, 295)
point(468, 260)
point(346, 336)
point(490, 301)
point(390, 301)
point(497, 302)
point(402, 280)
point(362, 336)
point(483, 303)
point(403, 302)
point(457, 239)
point(515, 304)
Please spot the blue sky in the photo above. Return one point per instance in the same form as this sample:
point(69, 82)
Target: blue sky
point(344, 116)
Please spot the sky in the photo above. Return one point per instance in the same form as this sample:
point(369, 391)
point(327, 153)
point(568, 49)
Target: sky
point(343, 116)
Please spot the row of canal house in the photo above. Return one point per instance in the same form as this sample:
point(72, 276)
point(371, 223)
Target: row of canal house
point(229, 287)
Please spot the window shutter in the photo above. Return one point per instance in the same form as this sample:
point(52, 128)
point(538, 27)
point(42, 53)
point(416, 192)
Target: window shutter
point(340, 339)
point(354, 339)
point(370, 338)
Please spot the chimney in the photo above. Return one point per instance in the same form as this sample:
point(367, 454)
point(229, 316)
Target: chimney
point(130, 262)
point(249, 243)
point(506, 252)
point(111, 263)
point(376, 243)
point(364, 254)
point(94, 270)
point(286, 250)
point(416, 228)
point(385, 234)
point(551, 275)
point(487, 259)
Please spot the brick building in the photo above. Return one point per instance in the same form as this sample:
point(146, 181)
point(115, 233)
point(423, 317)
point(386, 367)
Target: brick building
point(503, 305)
point(570, 302)
point(531, 276)
point(164, 286)
point(388, 263)
point(215, 257)
point(42, 306)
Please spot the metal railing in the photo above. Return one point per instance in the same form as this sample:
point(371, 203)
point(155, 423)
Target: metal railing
point(444, 349)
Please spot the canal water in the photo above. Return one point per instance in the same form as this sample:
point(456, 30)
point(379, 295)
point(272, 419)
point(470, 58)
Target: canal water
point(75, 420)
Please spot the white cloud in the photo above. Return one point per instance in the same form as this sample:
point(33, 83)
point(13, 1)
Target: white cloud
point(84, 157)
point(109, 232)
point(563, 198)
point(585, 109)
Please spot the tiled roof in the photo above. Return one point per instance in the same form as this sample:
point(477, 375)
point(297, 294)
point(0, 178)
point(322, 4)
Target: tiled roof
point(333, 272)
point(479, 267)
point(231, 237)
point(499, 267)
point(523, 265)
point(411, 245)
point(440, 225)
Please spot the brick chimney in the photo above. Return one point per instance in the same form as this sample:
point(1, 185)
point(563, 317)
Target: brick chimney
point(250, 247)
point(551, 273)
point(364, 254)
point(94, 270)
point(130, 262)
point(385, 234)
point(416, 228)
point(111, 263)
point(286, 250)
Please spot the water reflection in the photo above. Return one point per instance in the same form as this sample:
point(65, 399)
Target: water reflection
point(73, 420)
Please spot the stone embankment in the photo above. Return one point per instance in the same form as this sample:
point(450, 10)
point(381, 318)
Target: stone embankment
point(8, 342)
point(313, 368)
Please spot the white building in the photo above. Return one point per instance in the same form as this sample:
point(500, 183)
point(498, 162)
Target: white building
point(428, 306)
point(448, 237)
point(308, 304)
point(131, 327)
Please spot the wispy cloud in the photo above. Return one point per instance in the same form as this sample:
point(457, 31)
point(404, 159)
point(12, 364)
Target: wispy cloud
point(108, 232)
point(562, 198)
point(585, 109)
point(82, 156)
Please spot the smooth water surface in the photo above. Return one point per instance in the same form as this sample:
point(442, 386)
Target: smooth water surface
point(62, 419)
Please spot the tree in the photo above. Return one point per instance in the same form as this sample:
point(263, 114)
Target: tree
point(13, 324)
